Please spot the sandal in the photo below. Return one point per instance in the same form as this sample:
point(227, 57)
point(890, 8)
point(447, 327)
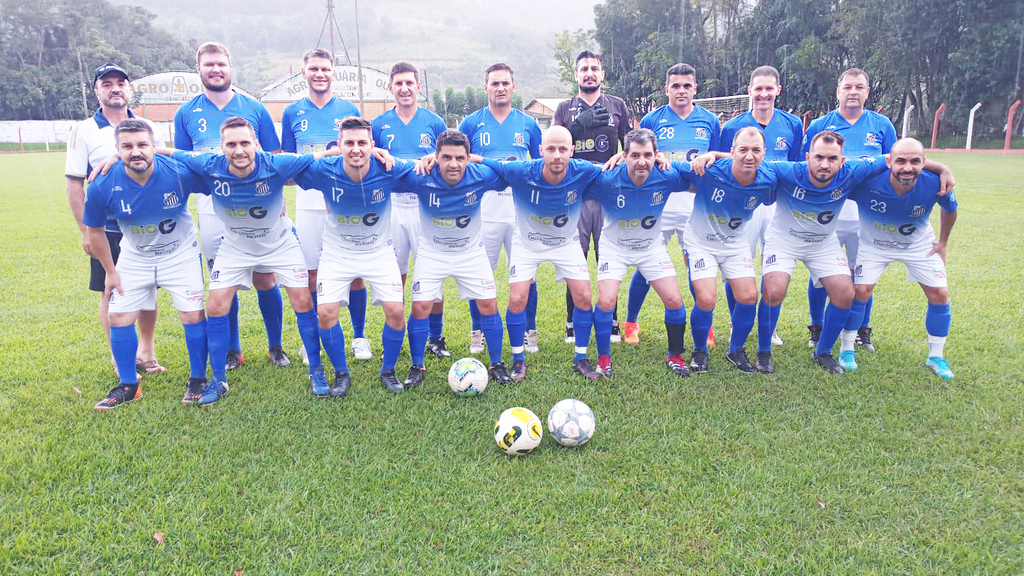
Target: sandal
point(149, 366)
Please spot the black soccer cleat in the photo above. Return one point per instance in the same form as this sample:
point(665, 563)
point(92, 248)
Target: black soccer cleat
point(764, 363)
point(438, 347)
point(584, 368)
point(864, 338)
point(699, 360)
point(498, 373)
point(119, 395)
point(415, 376)
point(519, 370)
point(739, 359)
point(278, 358)
point(827, 362)
point(342, 380)
point(570, 333)
point(815, 331)
point(388, 379)
point(193, 390)
point(233, 360)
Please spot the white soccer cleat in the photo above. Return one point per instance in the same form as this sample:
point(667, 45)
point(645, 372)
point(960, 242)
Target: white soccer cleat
point(476, 341)
point(305, 357)
point(361, 349)
point(530, 342)
point(776, 339)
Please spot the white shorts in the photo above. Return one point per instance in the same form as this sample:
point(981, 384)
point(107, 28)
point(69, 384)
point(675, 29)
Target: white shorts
point(211, 232)
point(235, 268)
point(705, 263)
point(309, 226)
point(469, 269)
point(927, 270)
point(674, 222)
point(848, 232)
point(822, 259)
point(496, 235)
point(181, 274)
point(757, 226)
point(379, 268)
point(405, 232)
point(654, 263)
point(568, 260)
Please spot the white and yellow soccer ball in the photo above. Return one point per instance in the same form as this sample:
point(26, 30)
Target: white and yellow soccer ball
point(467, 377)
point(518, 431)
point(571, 422)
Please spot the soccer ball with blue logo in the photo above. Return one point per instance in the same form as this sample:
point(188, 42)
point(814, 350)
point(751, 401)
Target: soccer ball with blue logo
point(467, 377)
point(571, 422)
point(518, 431)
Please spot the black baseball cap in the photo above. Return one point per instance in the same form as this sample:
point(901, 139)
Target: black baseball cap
point(107, 69)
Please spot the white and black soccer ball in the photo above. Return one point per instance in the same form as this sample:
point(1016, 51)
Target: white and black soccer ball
point(571, 422)
point(518, 431)
point(467, 377)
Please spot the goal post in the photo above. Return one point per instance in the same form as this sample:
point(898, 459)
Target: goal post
point(725, 107)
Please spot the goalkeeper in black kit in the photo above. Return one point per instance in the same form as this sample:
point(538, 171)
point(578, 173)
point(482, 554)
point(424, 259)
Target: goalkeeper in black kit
point(598, 123)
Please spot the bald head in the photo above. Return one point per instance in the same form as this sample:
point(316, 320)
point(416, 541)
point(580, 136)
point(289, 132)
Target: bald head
point(906, 160)
point(556, 148)
point(910, 145)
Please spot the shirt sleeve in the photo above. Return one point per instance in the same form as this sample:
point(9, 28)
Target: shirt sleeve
point(784, 171)
point(76, 161)
point(812, 131)
point(466, 127)
point(796, 152)
point(95, 214)
point(726, 135)
point(947, 202)
point(289, 166)
point(684, 176)
point(401, 168)
point(647, 122)
point(194, 161)
point(437, 127)
point(502, 169)
point(182, 139)
point(716, 135)
point(267, 132)
point(559, 118)
point(888, 136)
point(535, 137)
point(287, 133)
point(865, 168)
point(308, 179)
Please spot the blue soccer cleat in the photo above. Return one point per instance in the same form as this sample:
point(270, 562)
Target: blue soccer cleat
point(213, 392)
point(940, 366)
point(318, 382)
point(848, 360)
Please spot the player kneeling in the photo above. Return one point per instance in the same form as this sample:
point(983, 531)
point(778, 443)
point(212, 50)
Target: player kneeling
point(148, 196)
point(894, 227)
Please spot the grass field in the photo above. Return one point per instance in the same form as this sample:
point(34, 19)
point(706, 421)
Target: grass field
point(887, 470)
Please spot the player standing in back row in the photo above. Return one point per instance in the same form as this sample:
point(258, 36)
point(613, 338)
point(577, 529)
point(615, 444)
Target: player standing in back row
point(311, 125)
point(197, 127)
point(501, 132)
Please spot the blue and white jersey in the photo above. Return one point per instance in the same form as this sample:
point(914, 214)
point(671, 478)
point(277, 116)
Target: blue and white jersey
point(358, 213)
point(306, 129)
point(682, 140)
point(517, 138)
point(808, 213)
point(450, 215)
point(632, 214)
point(154, 217)
point(783, 136)
point(197, 128)
point(250, 207)
point(891, 221)
point(546, 214)
point(407, 141)
point(722, 206)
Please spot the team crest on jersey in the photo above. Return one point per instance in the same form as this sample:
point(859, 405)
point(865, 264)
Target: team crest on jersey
point(518, 139)
point(751, 202)
point(837, 193)
point(378, 195)
point(215, 275)
point(870, 139)
point(701, 134)
point(657, 198)
point(781, 144)
point(770, 261)
point(171, 199)
point(604, 267)
point(859, 270)
point(570, 196)
point(917, 211)
point(262, 188)
point(416, 287)
point(424, 140)
point(337, 123)
point(470, 198)
point(699, 264)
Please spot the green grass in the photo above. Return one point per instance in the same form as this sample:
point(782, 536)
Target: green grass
point(887, 470)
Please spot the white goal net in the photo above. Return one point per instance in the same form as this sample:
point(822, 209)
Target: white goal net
point(725, 107)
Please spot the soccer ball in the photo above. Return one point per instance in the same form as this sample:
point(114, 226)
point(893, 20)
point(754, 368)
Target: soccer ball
point(517, 431)
point(467, 377)
point(571, 422)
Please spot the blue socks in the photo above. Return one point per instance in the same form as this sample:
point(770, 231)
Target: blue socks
point(357, 309)
point(493, 334)
point(700, 325)
point(730, 298)
point(195, 342)
point(474, 315)
point(835, 319)
point(638, 289)
point(217, 333)
point(816, 298)
point(516, 322)
point(234, 340)
point(272, 308)
point(334, 344)
point(937, 320)
point(856, 315)
point(124, 344)
point(308, 332)
point(767, 320)
point(603, 331)
point(867, 312)
point(417, 330)
point(436, 324)
point(531, 308)
point(392, 340)
point(582, 323)
point(742, 323)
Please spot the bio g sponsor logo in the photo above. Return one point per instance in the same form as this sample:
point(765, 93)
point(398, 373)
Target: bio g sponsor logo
point(732, 223)
point(449, 222)
point(556, 221)
point(370, 219)
point(165, 226)
point(647, 222)
point(256, 212)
